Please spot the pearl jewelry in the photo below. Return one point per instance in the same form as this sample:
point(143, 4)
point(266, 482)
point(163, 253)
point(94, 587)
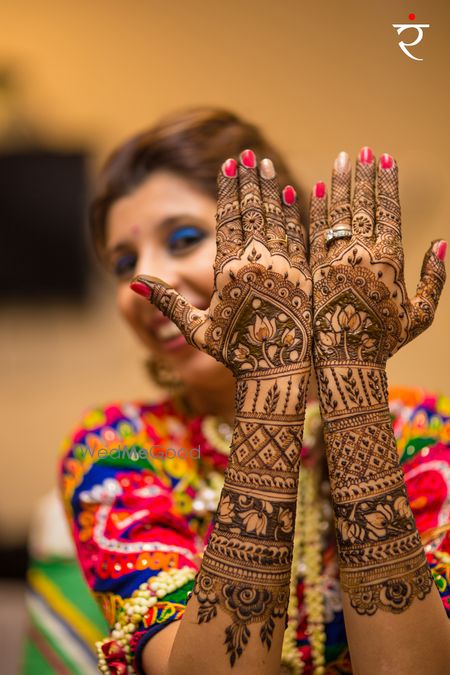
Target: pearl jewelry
point(133, 611)
point(306, 561)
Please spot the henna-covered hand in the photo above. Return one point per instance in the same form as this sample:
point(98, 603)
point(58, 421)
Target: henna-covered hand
point(362, 309)
point(259, 325)
point(258, 321)
point(362, 315)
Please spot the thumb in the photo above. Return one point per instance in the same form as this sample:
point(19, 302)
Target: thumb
point(429, 289)
point(173, 305)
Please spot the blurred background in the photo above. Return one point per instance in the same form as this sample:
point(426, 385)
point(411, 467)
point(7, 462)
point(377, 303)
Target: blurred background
point(76, 79)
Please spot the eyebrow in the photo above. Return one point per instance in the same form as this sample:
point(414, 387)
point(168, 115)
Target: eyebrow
point(162, 225)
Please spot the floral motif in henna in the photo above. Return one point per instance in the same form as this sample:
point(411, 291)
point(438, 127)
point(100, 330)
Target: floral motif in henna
point(258, 325)
point(362, 315)
point(262, 326)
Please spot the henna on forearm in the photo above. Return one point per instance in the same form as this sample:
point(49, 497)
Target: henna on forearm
point(362, 315)
point(246, 567)
point(259, 325)
point(382, 561)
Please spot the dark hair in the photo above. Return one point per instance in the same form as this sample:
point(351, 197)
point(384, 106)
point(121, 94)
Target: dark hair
point(192, 144)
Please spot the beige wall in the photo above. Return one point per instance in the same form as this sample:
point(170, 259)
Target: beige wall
point(318, 77)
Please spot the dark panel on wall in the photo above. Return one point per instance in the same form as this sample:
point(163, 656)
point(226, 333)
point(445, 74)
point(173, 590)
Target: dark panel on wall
point(43, 198)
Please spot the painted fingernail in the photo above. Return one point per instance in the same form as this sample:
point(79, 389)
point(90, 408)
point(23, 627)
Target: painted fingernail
point(248, 159)
point(289, 195)
point(386, 161)
point(342, 162)
point(319, 190)
point(141, 289)
point(366, 155)
point(229, 168)
point(441, 250)
point(266, 168)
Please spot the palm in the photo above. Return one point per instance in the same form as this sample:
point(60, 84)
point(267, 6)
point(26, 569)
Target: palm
point(260, 311)
point(362, 311)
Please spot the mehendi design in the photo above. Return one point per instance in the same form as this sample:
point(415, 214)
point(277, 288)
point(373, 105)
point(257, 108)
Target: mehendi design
point(259, 325)
point(362, 315)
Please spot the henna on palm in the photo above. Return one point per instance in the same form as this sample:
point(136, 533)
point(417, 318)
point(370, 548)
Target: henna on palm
point(259, 325)
point(362, 315)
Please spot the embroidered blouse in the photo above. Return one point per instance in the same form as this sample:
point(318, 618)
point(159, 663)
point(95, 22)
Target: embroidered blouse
point(140, 484)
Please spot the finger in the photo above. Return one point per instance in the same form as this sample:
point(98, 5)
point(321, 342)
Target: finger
point(340, 200)
point(388, 216)
point(295, 235)
point(429, 289)
point(251, 206)
point(188, 318)
point(229, 235)
point(363, 208)
point(274, 215)
point(318, 224)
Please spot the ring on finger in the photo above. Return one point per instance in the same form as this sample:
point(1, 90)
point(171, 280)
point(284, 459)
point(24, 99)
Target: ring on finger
point(337, 233)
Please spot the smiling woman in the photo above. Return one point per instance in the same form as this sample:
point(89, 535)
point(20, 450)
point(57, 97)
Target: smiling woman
point(229, 561)
point(155, 209)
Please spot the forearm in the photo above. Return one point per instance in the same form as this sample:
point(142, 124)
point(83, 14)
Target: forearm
point(392, 609)
point(236, 616)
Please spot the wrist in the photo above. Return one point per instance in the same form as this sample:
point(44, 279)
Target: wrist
point(352, 390)
point(279, 398)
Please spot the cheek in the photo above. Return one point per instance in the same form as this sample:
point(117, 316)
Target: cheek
point(126, 304)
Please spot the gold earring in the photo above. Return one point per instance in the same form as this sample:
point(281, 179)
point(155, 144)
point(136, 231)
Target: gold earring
point(164, 375)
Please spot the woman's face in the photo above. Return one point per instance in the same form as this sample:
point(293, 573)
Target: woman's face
point(166, 228)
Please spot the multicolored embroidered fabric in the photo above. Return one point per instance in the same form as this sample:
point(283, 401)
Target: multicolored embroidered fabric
point(140, 484)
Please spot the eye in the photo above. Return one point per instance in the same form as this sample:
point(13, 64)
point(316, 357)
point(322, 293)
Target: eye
point(184, 237)
point(124, 266)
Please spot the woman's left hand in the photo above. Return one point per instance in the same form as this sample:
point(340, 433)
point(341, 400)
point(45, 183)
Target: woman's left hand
point(362, 312)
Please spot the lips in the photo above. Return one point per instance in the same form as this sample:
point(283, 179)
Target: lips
point(166, 331)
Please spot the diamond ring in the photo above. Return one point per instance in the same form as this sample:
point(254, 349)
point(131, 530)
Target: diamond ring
point(337, 233)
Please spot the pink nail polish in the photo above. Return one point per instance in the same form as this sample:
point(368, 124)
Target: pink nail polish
point(289, 195)
point(141, 289)
point(248, 159)
point(365, 155)
point(441, 251)
point(230, 168)
point(386, 161)
point(319, 189)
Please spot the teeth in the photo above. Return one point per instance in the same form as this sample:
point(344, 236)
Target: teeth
point(167, 331)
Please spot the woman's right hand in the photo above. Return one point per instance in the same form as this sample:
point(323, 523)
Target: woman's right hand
point(259, 319)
